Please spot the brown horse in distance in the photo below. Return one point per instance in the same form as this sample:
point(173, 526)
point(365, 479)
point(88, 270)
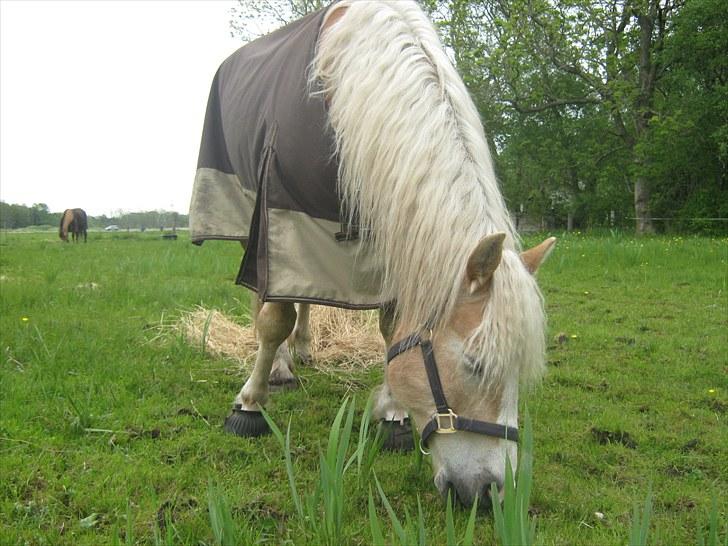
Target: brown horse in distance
point(73, 221)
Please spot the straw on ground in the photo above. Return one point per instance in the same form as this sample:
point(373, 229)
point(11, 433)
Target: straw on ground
point(341, 340)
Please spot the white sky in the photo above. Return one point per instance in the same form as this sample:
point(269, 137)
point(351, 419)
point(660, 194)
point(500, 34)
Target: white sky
point(102, 103)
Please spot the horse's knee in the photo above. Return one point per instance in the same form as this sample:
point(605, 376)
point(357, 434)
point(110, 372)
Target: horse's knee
point(275, 322)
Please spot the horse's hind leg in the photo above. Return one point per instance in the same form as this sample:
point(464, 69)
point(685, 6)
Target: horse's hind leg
point(274, 323)
point(300, 340)
point(394, 421)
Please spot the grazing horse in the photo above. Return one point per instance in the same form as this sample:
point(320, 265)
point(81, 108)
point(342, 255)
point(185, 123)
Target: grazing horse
point(357, 107)
point(75, 222)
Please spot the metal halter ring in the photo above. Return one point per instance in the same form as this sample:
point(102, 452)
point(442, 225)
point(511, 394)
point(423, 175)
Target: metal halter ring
point(451, 416)
point(422, 449)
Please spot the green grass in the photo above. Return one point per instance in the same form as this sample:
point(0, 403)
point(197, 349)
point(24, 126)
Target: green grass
point(109, 433)
point(513, 524)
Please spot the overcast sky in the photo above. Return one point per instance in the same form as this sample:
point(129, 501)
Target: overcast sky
point(102, 102)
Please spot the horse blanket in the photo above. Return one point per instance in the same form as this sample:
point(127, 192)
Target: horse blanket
point(267, 176)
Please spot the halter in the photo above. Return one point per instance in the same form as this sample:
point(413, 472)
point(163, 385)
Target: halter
point(445, 420)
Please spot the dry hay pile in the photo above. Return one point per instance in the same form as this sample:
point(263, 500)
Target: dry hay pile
point(341, 340)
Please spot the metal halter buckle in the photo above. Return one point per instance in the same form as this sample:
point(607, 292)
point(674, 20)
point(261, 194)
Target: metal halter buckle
point(449, 415)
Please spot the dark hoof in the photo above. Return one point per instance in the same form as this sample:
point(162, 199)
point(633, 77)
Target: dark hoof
point(282, 385)
point(396, 437)
point(248, 424)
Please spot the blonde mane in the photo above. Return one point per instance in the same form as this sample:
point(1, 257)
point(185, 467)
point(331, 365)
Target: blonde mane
point(415, 173)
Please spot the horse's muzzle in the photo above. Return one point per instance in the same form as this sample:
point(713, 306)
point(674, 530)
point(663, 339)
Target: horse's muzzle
point(463, 491)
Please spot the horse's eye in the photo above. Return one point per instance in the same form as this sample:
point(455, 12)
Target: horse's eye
point(472, 361)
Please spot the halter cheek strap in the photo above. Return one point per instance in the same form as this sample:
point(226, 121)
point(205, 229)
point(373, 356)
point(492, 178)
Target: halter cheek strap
point(445, 420)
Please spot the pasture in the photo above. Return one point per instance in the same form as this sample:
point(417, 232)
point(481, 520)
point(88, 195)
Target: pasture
point(111, 425)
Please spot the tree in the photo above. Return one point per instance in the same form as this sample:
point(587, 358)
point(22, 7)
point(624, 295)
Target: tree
point(574, 57)
point(686, 149)
point(254, 18)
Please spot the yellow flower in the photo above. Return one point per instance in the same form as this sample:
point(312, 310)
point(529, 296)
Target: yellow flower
point(24, 319)
point(574, 336)
point(711, 391)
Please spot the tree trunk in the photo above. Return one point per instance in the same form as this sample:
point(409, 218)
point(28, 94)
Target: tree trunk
point(642, 207)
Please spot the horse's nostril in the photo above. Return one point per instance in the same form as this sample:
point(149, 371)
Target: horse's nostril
point(451, 492)
point(485, 497)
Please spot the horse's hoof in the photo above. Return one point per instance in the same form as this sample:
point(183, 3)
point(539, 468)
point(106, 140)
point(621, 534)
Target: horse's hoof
point(396, 436)
point(248, 424)
point(283, 385)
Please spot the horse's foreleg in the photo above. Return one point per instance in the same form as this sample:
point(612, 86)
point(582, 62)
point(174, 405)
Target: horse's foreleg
point(300, 340)
point(393, 417)
point(281, 374)
point(274, 323)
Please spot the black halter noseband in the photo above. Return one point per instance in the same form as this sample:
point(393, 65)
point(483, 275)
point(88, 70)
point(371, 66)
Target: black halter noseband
point(445, 421)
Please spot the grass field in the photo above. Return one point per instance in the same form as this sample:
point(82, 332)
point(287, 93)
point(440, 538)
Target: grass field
point(109, 430)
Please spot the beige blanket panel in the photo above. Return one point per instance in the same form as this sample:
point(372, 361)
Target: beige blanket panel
point(306, 261)
point(220, 207)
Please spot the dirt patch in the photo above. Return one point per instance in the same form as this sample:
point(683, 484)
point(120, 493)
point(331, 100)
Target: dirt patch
point(717, 406)
point(605, 437)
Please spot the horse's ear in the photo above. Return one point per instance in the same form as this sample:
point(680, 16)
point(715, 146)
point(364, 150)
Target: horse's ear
point(483, 261)
point(534, 257)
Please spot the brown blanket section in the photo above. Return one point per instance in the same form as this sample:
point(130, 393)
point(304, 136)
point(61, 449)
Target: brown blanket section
point(267, 176)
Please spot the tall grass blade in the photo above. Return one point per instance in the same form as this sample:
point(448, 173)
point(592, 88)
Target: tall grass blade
point(344, 441)
point(374, 525)
point(129, 531)
point(524, 479)
point(322, 511)
point(641, 522)
point(470, 527)
point(285, 444)
point(450, 523)
point(419, 456)
point(513, 525)
point(129, 538)
point(396, 524)
point(421, 533)
point(367, 449)
point(498, 520)
point(333, 468)
point(363, 434)
point(221, 518)
point(206, 331)
point(713, 531)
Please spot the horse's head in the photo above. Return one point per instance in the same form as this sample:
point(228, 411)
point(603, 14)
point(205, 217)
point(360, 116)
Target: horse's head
point(66, 219)
point(480, 354)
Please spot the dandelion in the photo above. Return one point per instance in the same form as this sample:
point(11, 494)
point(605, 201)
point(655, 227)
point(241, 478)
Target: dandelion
point(711, 391)
point(574, 336)
point(24, 319)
